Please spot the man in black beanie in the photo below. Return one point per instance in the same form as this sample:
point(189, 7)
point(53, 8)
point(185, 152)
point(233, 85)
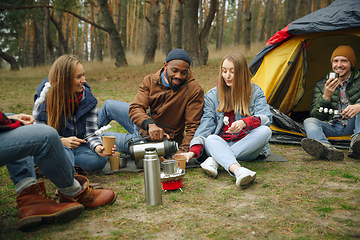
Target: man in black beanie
point(168, 103)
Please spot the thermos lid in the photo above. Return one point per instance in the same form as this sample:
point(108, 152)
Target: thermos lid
point(151, 149)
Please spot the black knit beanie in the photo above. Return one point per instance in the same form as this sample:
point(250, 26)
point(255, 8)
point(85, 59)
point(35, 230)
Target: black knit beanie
point(178, 54)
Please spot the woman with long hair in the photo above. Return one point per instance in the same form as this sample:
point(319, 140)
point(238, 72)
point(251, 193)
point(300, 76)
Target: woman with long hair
point(235, 123)
point(71, 108)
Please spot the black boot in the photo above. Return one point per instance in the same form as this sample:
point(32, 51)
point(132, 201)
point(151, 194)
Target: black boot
point(321, 150)
point(313, 147)
point(354, 150)
point(331, 153)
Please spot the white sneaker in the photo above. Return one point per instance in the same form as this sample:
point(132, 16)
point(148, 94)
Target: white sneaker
point(210, 166)
point(244, 177)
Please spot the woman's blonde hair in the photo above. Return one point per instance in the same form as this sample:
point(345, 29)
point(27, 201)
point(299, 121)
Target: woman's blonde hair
point(61, 93)
point(238, 96)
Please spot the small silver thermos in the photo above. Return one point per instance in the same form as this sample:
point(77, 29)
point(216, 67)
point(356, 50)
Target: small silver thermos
point(153, 189)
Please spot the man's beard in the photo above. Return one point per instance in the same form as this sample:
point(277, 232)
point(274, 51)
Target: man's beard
point(177, 86)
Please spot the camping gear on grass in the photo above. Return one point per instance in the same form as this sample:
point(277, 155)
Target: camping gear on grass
point(173, 181)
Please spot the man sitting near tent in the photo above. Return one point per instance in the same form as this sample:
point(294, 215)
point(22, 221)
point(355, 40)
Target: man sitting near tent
point(335, 108)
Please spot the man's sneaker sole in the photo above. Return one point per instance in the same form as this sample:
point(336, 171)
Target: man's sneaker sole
point(66, 215)
point(312, 147)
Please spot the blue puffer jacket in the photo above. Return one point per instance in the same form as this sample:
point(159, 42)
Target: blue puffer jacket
point(212, 120)
point(87, 103)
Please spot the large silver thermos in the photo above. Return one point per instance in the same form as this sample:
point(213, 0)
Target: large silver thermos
point(163, 148)
point(153, 189)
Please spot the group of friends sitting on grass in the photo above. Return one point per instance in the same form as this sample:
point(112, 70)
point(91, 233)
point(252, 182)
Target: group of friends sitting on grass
point(230, 123)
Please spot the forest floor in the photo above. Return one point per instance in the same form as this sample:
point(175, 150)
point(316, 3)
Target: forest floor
point(302, 198)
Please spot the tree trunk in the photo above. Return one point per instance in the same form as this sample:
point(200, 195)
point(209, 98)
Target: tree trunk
point(98, 38)
point(318, 4)
point(138, 31)
point(239, 17)
point(290, 6)
point(299, 12)
point(61, 37)
point(179, 25)
point(114, 35)
point(201, 15)
point(192, 43)
point(92, 32)
point(263, 21)
point(223, 24)
point(35, 50)
point(49, 43)
point(166, 4)
point(41, 36)
point(308, 6)
point(274, 27)
point(255, 12)
point(270, 23)
point(11, 60)
point(196, 46)
point(152, 41)
point(85, 42)
point(124, 22)
point(204, 34)
point(118, 20)
point(25, 52)
point(219, 25)
point(247, 37)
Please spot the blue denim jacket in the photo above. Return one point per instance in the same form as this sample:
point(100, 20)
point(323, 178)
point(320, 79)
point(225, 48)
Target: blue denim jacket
point(212, 120)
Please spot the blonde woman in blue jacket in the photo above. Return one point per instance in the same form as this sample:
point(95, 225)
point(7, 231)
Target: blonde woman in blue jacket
point(235, 123)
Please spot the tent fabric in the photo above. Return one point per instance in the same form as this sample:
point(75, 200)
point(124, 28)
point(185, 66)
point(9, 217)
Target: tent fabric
point(296, 57)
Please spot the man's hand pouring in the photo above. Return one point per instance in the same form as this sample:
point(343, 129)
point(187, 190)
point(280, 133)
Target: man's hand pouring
point(156, 133)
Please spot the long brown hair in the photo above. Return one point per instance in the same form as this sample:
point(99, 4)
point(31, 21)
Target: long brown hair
point(238, 96)
point(61, 77)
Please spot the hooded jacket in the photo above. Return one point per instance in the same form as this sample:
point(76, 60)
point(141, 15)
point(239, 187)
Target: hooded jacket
point(173, 111)
point(352, 93)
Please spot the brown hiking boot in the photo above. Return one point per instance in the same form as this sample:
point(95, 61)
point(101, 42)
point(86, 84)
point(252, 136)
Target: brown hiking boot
point(89, 197)
point(36, 207)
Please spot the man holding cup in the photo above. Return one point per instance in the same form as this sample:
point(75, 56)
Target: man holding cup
point(340, 92)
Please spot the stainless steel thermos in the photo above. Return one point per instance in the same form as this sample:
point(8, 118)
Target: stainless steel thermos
point(153, 189)
point(164, 148)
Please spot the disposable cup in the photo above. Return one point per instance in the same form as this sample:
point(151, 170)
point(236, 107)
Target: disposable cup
point(182, 160)
point(115, 161)
point(108, 144)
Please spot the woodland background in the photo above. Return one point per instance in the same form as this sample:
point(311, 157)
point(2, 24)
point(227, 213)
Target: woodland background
point(36, 32)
